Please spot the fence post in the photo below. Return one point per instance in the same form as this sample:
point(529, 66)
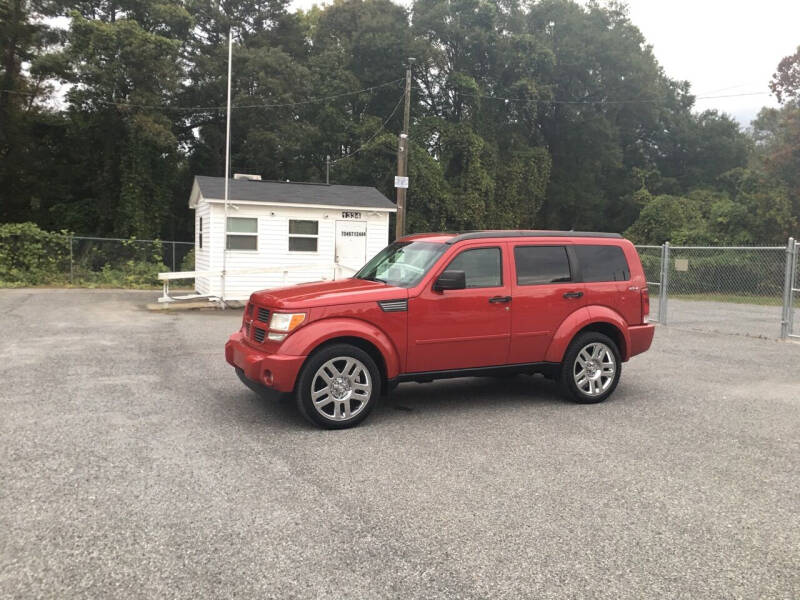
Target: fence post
point(662, 293)
point(794, 284)
point(786, 313)
point(70, 262)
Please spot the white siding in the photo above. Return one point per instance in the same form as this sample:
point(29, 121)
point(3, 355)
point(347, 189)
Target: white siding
point(201, 255)
point(273, 246)
point(377, 234)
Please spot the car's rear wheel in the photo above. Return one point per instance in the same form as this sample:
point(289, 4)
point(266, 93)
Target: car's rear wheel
point(338, 386)
point(591, 368)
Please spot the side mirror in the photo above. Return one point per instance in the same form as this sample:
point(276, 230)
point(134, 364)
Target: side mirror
point(450, 280)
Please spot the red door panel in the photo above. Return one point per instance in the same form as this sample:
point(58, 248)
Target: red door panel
point(458, 329)
point(538, 312)
point(541, 301)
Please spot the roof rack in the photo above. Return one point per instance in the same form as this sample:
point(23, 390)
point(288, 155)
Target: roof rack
point(476, 235)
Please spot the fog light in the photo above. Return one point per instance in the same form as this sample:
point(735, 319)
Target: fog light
point(267, 377)
point(277, 337)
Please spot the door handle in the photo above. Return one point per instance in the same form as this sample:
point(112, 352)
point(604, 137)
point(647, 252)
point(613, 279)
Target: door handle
point(496, 299)
point(573, 294)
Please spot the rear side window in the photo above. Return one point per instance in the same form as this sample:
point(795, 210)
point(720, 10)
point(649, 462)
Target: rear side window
point(541, 264)
point(482, 267)
point(602, 263)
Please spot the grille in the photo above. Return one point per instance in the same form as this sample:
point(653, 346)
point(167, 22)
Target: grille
point(259, 334)
point(263, 315)
point(247, 329)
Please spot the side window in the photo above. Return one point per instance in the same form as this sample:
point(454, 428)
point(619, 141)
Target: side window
point(602, 263)
point(483, 267)
point(541, 264)
point(201, 232)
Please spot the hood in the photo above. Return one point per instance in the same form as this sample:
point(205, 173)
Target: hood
point(326, 293)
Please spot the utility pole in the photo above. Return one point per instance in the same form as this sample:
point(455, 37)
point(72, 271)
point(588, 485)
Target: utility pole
point(327, 169)
point(402, 158)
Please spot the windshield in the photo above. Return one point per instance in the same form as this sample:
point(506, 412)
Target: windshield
point(402, 264)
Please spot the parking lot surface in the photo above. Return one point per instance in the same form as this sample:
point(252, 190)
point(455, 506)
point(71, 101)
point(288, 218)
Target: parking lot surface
point(723, 317)
point(135, 464)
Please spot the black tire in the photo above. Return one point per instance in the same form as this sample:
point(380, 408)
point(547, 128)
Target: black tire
point(569, 367)
point(332, 414)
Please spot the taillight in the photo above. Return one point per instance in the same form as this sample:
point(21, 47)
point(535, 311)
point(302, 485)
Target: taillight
point(645, 293)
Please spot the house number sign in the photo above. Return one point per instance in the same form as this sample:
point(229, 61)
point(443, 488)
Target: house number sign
point(349, 214)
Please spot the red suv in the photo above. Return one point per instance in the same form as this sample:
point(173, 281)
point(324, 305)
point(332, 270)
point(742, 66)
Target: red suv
point(570, 305)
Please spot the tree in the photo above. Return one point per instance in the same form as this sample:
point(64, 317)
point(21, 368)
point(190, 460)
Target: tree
point(665, 218)
point(785, 82)
point(25, 38)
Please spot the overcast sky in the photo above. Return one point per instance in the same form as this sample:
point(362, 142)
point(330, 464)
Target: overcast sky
point(723, 47)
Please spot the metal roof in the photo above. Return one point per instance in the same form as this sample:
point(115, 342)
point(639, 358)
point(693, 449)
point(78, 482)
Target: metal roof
point(284, 192)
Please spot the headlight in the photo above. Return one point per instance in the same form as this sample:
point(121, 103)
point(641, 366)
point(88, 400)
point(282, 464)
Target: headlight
point(286, 321)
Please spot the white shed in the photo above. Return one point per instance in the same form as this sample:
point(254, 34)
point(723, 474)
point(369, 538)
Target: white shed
point(281, 233)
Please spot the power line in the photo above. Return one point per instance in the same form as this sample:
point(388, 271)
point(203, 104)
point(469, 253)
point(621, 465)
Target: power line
point(374, 135)
point(223, 107)
point(389, 83)
point(277, 105)
point(604, 102)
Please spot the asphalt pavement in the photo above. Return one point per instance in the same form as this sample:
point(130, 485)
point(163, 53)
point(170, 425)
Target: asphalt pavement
point(133, 463)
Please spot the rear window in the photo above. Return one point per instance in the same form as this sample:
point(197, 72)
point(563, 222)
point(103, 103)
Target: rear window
point(541, 264)
point(602, 263)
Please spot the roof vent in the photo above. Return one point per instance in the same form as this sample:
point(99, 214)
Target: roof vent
point(246, 176)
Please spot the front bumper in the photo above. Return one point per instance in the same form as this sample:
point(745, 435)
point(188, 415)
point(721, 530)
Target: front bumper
point(275, 371)
point(641, 338)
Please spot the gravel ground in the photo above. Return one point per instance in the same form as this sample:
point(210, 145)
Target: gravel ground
point(133, 463)
point(724, 317)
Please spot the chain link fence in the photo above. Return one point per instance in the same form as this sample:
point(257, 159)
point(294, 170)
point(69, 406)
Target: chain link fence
point(59, 259)
point(726, 289)
point(792, 316)
point(652, 257)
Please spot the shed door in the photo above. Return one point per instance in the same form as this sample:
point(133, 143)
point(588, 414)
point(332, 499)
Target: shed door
point(351, 247)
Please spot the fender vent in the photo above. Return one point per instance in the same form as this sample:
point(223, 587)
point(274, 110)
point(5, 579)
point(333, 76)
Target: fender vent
point(259, 333)
point(263, 315)
point(393, 305)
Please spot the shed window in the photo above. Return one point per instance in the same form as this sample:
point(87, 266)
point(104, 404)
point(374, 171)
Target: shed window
point(303, 235)
point(242, 233)
point(201, 232)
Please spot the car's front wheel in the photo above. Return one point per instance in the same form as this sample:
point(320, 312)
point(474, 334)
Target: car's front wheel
point(591, 368)
point(338, 386)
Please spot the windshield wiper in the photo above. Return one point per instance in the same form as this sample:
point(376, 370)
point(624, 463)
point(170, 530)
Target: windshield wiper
point(371, 278)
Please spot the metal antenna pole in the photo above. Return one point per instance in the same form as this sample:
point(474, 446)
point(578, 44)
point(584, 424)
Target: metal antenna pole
point(402, 157)
point(227, 166)
point(328, 169)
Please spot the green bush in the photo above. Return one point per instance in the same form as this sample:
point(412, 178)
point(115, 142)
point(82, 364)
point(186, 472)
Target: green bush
point(30, 256)
point(187, 264)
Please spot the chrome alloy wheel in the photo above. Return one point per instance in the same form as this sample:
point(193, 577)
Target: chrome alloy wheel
point(594, 369)
point(341, 388)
